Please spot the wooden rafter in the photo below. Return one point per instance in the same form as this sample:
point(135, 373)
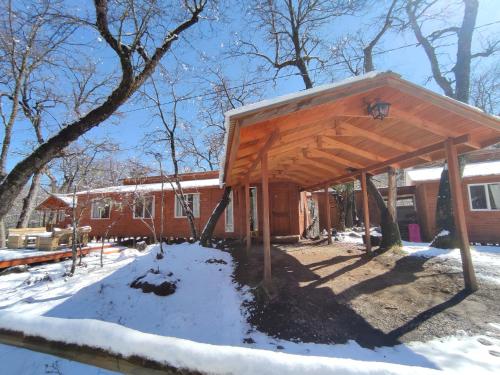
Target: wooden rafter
point(398, 159)
point(329, 141)
point(336, 158)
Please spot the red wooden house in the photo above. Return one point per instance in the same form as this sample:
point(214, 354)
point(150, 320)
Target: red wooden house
point(277, 150)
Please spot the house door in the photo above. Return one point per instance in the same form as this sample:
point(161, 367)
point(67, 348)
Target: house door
point(280, 212)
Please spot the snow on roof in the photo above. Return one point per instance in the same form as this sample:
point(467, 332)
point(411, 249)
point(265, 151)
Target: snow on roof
point(66, 198)
point(283, 99)
point(152, 187)
point(470, 170)
point(301, 94)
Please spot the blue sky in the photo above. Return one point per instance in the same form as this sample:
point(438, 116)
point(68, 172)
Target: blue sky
point(128, 129)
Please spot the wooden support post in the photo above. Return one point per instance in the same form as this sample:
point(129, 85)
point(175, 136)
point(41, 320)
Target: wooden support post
point(459, 215)
point(266, 231)
point(246, 211)
point(327, 215)
point(366, 212)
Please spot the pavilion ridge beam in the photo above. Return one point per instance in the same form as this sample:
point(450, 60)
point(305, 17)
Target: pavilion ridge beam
point(459, 215)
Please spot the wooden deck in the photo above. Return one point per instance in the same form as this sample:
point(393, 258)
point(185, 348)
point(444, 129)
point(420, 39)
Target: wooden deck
point(56, 255)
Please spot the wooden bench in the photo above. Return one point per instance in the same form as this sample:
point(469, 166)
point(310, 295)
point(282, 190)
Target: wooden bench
point(18, 236)
point(54, 240)
point(63, 237)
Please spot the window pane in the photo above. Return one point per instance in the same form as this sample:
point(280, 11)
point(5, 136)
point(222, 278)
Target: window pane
point(139, 207)
point(494, 195)
point(95, 210)
point(105, 210)
point(478, 197)
point(229, 214)
point(101, 208)
point(179, 207)
point(148, 207)
point(196, 205)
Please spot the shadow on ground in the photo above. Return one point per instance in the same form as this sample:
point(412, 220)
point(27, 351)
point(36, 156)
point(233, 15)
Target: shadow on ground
point(335, 293)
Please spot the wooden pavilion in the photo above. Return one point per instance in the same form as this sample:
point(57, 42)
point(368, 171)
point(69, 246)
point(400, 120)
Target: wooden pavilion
point(340, 132)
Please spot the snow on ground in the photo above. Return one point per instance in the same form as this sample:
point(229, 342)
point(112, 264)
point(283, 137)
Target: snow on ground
point(10, 254)
point(206, 308)
point(486, 259)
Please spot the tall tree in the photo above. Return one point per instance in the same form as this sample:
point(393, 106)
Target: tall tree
point(225, 98)
point(168, 135)
point(135, 33)
point(292, 33)
point(454, 77)
point(29, 38)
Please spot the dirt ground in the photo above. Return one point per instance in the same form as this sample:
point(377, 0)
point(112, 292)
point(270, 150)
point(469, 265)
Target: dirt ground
point(334, 293)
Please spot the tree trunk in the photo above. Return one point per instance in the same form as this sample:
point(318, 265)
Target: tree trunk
point(445, 220)
point(348, 205)
point(29, 201)
point(12, 184)
point(390, 229)
point(3, 235)
point(392, 193)
point(207, 234)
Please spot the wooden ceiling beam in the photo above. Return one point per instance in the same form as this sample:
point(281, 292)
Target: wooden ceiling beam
point(344, 128)
point(328, 141)
point(338, 159)
point(398, 159)
point(265, 148)
point(475, 115)
point(233, 151)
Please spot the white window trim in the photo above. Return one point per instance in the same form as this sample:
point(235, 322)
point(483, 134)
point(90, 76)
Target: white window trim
point(92, 209)
point(229, 227)
point(152, 213)
point(488, 203)
point(177, 216)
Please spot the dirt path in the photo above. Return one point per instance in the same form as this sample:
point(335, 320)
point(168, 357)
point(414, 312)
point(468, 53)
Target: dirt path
point(330, 294)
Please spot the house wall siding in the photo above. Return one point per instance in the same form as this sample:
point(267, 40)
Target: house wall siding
point(483, 226)
point(122, 224)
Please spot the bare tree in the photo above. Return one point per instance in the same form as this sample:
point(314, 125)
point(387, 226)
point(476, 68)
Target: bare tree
point(453, 77)
point(168, 136)
point(291, 33)
point(356, 54)
point(28, 39)
point(131, 31)
point(485, 89)
point(225, 98)
point(77, 166)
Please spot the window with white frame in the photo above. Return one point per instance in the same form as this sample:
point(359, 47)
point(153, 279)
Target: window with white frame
point(144, 207)
point(484, 197)
point(229, 214)
point(193, 201)
point(101, 208)
point(61, 215)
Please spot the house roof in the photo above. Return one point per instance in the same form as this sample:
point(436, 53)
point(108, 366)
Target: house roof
point(57, 201)
point(190, 184)
point(470, 170)
point(324, 135)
